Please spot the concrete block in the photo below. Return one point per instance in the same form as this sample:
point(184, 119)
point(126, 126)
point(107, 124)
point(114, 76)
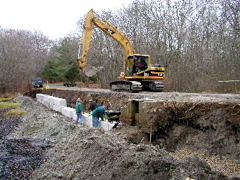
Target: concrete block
point(43, 98)
point(50, 99)
point(71, 112)
point(40, 97)
point(46, 101)
point(60, 105)
point(67, 111)
point(87, 119)
point(57, 108)
point(142, 119)
point(74, 115)
point(59, 102)
point(62, 102)
point(106, 125)
point(128, 113)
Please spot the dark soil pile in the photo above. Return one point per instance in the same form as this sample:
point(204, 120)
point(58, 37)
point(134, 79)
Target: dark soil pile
point(18, 157)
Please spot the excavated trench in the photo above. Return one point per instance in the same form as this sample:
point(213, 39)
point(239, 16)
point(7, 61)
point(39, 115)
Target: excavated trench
point(210, 123)
point(212, 127)
point(182, 124)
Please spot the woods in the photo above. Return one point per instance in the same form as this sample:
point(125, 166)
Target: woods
point(23, 55)
point(197, 42)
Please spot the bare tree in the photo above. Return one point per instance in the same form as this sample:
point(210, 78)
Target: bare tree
point(23, 55)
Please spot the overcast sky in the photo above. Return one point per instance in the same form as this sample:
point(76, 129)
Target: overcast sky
point(55, 18)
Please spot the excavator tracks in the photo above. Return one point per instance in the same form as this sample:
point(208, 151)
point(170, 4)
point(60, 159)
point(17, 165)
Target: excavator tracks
point(126, 86)
point(136, 86)
point(149, 85)
point(156, 86)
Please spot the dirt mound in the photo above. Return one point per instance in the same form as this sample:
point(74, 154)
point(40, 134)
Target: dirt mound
point(79, 152)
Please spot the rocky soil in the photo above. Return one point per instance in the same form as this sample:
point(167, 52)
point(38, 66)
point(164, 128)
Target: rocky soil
point(46, 145)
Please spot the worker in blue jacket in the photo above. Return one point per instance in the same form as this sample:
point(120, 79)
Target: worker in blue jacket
point(96, 114)
point(93, 104)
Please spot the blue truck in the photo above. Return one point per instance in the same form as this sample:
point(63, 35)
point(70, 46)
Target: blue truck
point(37, 82)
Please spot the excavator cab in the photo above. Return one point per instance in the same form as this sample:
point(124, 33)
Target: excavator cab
point(136, 64)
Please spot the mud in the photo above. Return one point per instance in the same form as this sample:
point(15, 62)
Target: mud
point(193, 137)
point(18, 156)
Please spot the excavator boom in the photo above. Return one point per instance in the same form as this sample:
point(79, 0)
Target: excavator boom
point(107, 28)
point(85, 40)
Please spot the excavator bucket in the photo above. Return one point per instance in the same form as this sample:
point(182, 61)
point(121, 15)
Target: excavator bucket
point(91, 70)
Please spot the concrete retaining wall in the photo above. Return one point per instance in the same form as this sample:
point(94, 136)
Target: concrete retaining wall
point(60, 105)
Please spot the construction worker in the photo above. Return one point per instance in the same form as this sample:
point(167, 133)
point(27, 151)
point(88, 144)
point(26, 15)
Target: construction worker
point(93, 105)
point(79, 107)
point(96, 114)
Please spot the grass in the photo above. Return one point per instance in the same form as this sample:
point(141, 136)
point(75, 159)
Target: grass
point(8, 105)
point(14, 111)
point(7, 97)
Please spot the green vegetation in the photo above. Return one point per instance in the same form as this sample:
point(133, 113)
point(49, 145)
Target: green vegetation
point(7, 105)
point(72, 72)
point(14, 111)
point(6, 97)
point(63, 66)
point(53, 71)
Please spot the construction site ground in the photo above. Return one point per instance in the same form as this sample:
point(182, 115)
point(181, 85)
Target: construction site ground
point(195, 136)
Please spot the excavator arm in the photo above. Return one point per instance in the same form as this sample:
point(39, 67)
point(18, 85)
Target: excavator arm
point(90, 21)
point(85, 40)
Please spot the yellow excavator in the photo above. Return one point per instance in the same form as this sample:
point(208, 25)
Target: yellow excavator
point(138, 72)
